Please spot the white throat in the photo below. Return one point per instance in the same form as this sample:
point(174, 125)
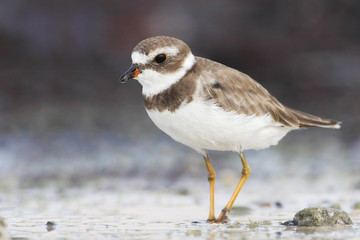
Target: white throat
point(154, 82)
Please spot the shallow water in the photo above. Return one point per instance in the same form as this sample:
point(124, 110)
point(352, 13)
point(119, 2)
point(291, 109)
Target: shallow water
point(103, 188)
point(98, 210)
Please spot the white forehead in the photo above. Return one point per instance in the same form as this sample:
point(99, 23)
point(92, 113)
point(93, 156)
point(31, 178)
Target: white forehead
point(142, 58)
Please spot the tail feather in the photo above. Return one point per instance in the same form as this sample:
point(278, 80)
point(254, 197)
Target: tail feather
point(308, 120)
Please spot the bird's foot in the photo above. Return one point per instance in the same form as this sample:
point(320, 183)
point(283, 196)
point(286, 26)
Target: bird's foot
point(224, 216)
point(211, 220)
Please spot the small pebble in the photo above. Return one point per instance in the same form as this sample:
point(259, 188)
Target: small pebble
point(50, 226)
point(289, 223)
point(195, 222)
point(278, 204)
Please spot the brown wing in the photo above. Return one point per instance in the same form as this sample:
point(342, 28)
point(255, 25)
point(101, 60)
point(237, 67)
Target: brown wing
point(236, 91)
point(308, 120)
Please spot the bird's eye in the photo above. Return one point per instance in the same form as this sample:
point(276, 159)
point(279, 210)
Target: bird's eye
point(160, 58)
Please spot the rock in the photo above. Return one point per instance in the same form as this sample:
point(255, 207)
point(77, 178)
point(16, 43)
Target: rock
point(321, 217)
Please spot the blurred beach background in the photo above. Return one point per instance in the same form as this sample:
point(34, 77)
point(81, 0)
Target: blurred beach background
point(65, 121)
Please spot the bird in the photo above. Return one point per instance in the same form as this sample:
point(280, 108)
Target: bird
point(206, 105)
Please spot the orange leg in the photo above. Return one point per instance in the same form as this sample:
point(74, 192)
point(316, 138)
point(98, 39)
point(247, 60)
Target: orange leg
point(224, 215)
point(211, 179)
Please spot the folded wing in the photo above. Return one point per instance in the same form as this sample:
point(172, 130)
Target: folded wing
point(236, 91)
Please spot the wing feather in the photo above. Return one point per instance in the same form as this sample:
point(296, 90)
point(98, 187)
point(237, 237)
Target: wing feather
point(236, 91)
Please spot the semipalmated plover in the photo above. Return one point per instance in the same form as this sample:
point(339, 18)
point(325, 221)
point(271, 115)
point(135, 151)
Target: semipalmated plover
point(209, 106)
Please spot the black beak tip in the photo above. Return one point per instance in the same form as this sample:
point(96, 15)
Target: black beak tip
point(124, 77)
point(122, 80)
point(129, 74)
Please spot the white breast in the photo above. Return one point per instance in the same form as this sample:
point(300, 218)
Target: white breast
point(204, 126)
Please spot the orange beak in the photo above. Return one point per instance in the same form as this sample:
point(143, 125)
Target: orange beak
point(136, 72)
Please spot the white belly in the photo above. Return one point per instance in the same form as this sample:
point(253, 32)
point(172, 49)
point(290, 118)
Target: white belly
point(204, 126)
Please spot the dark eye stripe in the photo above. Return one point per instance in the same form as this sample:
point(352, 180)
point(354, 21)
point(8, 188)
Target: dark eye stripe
point(160, 58)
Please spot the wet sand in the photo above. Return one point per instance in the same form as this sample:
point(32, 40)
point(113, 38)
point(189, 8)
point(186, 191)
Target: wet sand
point(132, 209)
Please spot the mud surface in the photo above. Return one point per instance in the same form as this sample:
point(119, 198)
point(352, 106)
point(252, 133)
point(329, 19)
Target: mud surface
point(71, 187)
point(106, 209)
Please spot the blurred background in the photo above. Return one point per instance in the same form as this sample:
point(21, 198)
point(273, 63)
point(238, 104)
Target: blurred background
point(64, 115)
